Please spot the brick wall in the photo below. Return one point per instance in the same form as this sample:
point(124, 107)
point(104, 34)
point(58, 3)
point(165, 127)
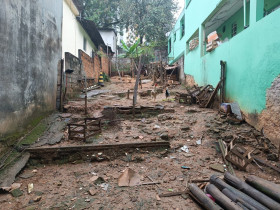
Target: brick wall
point(105, 64)
point(88, 64)
point(97, 66)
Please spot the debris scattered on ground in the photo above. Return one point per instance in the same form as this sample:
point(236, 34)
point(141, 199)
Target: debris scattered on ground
point(129, 178)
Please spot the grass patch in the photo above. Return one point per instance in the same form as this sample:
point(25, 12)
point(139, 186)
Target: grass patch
point(35, 133)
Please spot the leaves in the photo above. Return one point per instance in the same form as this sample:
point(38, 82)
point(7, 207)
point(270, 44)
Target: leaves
point(149, 20)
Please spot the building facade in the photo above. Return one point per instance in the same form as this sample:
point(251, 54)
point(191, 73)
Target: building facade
point(110, 38)
point(247, 40)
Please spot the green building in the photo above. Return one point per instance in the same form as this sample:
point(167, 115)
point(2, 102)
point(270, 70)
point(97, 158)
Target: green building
point(248, 41)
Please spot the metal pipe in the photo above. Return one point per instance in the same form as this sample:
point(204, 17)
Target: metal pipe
point(245, 12)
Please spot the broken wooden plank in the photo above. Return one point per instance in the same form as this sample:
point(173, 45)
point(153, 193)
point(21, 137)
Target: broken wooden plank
point(9, 175)
point(199, 180)
point(228, 164)
point(212, 97)
point(263, 162)
point(90, 148)
point(173, 194)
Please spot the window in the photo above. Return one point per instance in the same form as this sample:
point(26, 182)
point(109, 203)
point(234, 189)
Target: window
point(85, 44)
point(182, 26)
point(233, 29)
point(174, 36)
point(169, 46)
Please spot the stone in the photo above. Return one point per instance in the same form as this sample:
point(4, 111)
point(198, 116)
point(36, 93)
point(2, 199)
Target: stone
point(92, 191)
point(272, 157)
point(164, 136)
point(217, 167)
point(187, 128)
point(16, 193)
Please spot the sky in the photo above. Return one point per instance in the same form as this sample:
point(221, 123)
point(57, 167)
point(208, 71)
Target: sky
point(181, 4)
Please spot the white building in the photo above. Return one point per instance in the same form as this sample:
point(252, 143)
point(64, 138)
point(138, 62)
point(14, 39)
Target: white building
point(110, 38)
point(74, 35)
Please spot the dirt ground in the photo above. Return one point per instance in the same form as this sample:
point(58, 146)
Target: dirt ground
point(71, 185)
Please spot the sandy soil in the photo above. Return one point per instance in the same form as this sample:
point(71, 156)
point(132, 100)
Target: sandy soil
point(67, 186)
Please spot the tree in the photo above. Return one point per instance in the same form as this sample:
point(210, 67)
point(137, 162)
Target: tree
point(149, 20)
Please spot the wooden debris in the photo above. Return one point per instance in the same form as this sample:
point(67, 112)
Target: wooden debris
point(228, 164)
point(263, 162)
point(57, 151)
point(238, 155)
point(84, 129)
point(173, 194)
point(199, 180)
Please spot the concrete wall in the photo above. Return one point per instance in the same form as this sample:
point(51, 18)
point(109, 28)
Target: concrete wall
point(253, 64)
point(74, 79)
point(73, 33)
point(30, 42)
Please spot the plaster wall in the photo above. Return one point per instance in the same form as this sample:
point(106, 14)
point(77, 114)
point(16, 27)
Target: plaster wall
point(30, 42)
point(73, 34)
point(110, 39)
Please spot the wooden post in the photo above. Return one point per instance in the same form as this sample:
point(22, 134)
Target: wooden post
point(161, 73)
point(136, 85)
point(61, 84)
point(85, 85)
point(128, 92)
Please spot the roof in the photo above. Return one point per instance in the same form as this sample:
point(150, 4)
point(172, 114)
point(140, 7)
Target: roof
point(90, 27)
point(79, 5)
point(108, 29)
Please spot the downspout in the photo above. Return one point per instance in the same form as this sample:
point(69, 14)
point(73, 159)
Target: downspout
point(245, 13)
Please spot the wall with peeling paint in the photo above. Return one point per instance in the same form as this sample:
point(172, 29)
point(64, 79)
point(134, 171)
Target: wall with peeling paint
point(30, 42)
point(253, 63)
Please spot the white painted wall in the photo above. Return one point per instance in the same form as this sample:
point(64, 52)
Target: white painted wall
point(72, 32)
point(110, 39)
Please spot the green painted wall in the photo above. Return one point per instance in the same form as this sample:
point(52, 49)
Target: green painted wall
point(252, 55)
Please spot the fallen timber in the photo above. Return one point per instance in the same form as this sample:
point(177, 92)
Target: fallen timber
point(110, 150)
point(244, 187)
point(138, 110)
point(264, 186)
